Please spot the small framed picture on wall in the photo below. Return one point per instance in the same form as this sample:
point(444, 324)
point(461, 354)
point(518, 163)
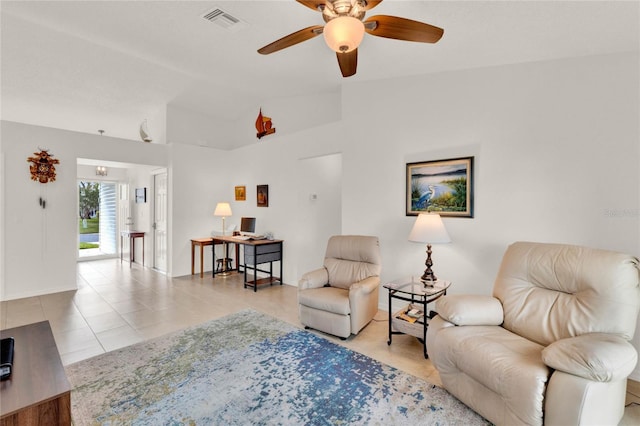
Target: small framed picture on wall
point(263, 195)
point(241, 193)
point(141, 195)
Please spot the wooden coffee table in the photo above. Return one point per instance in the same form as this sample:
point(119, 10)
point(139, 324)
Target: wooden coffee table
point(38, 392)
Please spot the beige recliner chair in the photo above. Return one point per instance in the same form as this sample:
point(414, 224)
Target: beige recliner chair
point(552, 344)
point(342, 297)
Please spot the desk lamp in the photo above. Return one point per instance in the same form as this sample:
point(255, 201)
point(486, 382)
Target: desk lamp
point(223, 210)
point(428, 228)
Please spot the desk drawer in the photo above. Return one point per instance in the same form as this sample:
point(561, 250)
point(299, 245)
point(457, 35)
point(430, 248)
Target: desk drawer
point(251, 259)
point(262, 253)
point(264, 248)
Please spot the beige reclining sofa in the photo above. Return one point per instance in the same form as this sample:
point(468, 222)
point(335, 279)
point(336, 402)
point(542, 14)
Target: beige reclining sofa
point(552, 344)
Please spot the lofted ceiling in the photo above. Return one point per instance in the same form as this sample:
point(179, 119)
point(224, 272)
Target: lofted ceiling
point(88, 65)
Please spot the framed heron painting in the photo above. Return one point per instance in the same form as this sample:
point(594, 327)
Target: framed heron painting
point(443, 186)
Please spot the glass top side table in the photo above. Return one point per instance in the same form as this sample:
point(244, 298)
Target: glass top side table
point(419, 296)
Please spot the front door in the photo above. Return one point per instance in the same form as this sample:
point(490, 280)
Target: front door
point(160, 222)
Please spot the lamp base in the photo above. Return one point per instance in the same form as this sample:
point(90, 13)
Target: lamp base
point(428, 278)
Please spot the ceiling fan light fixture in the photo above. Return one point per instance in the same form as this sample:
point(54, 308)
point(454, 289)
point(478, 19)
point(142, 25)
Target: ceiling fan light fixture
point(343, 34)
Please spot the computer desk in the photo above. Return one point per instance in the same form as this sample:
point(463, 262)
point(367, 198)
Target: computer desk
point(256, 252)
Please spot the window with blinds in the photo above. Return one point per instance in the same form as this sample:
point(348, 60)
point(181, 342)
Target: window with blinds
point(108, 218)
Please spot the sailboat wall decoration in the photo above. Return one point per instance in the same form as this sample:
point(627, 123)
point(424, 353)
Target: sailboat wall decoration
point(264, 125)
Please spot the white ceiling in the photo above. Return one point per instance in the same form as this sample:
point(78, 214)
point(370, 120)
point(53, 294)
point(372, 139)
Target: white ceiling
point(88, 65)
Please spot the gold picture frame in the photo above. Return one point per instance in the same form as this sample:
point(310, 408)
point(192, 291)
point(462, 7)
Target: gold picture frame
point(241, 193)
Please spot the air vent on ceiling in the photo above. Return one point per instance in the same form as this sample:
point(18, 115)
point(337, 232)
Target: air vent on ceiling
point(224, 19)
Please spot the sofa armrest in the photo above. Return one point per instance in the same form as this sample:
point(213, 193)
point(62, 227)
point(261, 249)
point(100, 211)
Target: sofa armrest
point(365, 286)
point(461, 309)
point(314, 279)
point(363, 302)
point(595, 356)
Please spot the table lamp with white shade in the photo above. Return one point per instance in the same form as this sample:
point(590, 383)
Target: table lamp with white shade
point(223, 210)
point(429, 228)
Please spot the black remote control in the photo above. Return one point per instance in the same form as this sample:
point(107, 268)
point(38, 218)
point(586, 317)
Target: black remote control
point(6, 357)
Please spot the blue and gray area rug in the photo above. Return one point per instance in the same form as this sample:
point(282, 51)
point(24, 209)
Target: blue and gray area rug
point(252, 369)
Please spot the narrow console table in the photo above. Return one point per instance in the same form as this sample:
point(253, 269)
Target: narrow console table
point(256, 252)
point(202, 242)
point(38, 392)
point(132, 235)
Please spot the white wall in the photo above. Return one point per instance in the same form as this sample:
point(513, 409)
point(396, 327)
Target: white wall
point(556, 147)
point(41, 244)
point(289, 116)
point(319, 209)
point(194, 128)
point(198, 179)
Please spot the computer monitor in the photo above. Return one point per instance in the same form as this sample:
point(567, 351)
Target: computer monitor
point(248, 224)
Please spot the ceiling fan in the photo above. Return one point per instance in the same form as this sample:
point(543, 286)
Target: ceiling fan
point(345, 28)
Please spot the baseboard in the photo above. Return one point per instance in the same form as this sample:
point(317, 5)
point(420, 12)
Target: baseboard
point(42, 292)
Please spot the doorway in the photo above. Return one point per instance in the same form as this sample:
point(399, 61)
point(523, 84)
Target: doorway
point(97, 215)
point(160, 221)
point(319, 212)
point(119, 212)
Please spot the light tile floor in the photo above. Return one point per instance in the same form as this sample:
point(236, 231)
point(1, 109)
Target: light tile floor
point(117, 305)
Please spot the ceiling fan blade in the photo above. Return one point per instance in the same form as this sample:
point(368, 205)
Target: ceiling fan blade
point(371, 4)
point(348, 62)
point(292, 39)
point(316, 4)
point(402, 29)
point(312, 4)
